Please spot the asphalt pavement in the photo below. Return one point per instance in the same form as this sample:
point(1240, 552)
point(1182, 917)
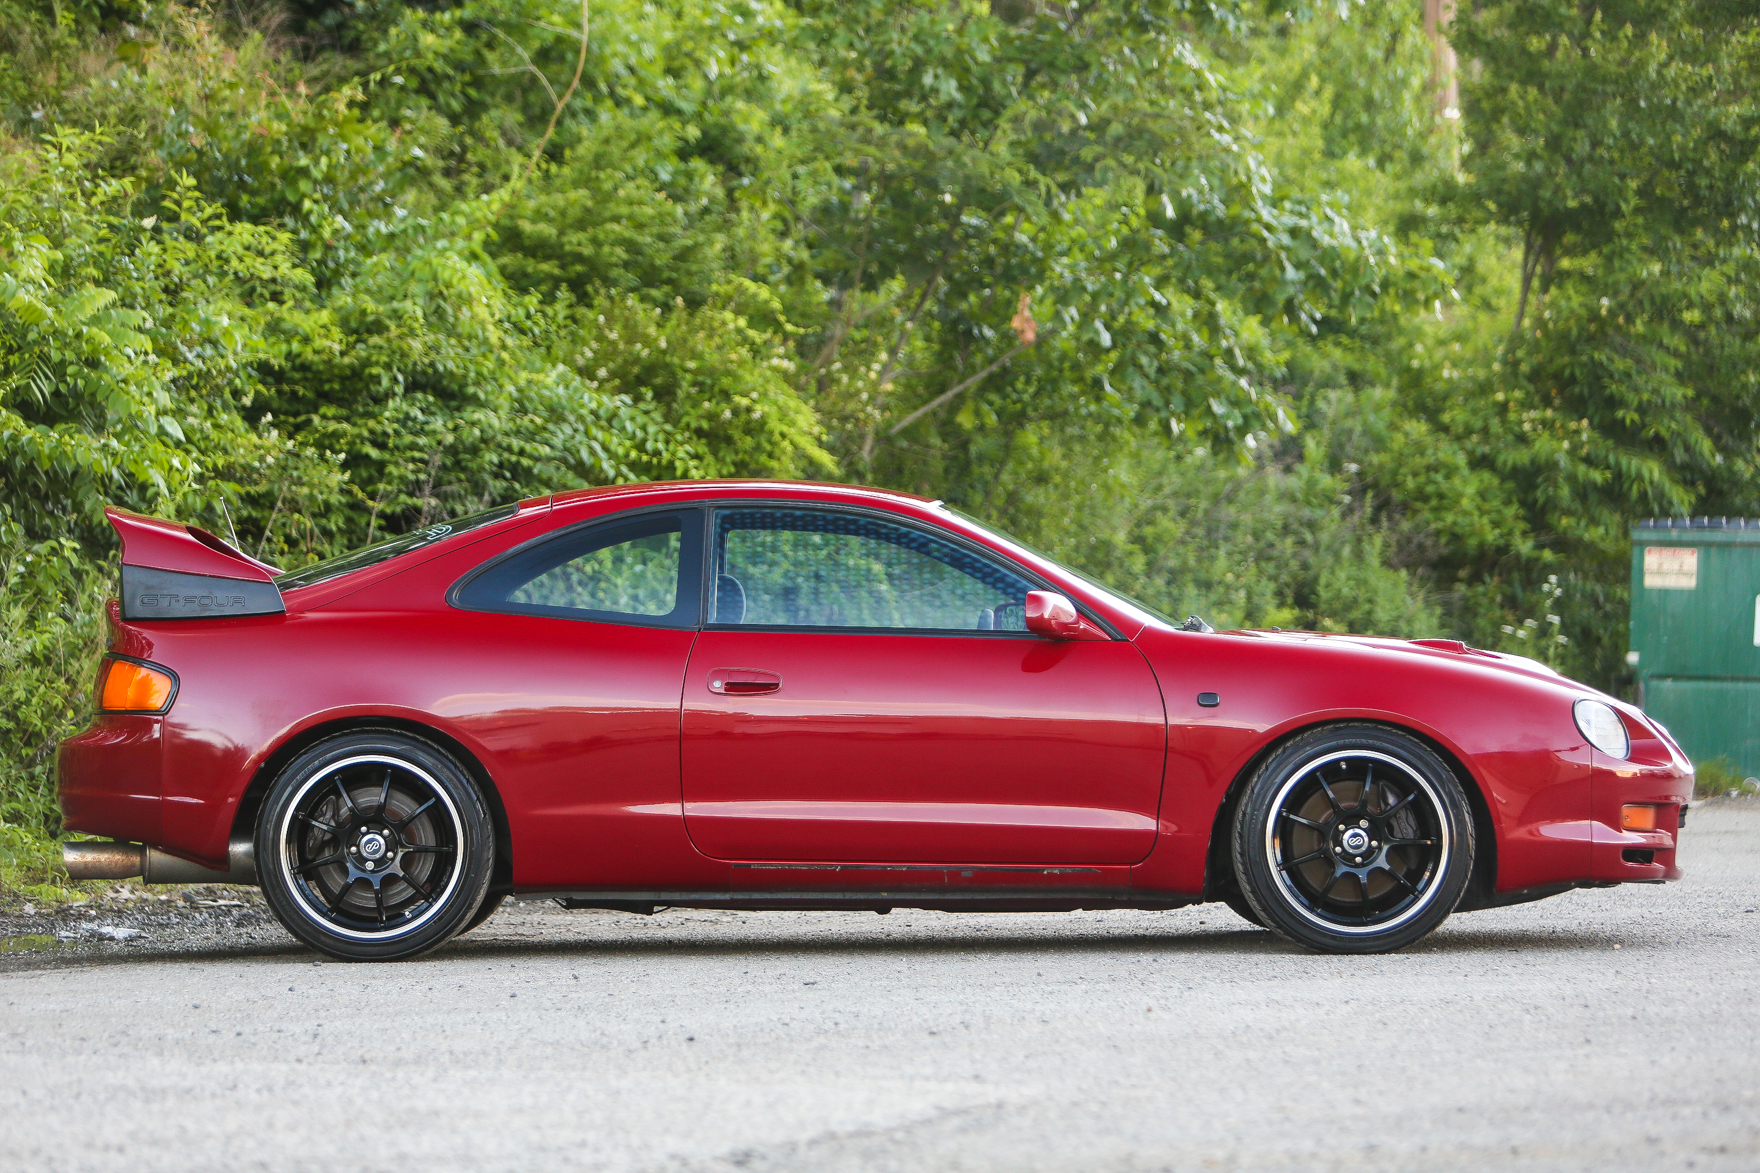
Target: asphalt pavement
point(1599, 1030)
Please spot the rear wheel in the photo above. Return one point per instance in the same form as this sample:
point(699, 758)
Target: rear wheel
point(374, 846)
point(1353, 839)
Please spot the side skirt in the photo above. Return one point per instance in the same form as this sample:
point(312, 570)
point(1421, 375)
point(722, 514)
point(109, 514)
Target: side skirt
point(1052, 900)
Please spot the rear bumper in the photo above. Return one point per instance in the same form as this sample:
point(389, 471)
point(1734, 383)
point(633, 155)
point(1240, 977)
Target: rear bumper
point(110, 778)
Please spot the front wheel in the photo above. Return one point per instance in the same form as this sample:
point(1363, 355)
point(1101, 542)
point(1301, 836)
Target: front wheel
point(485, 910)
point(374, 846)
point(1353, 839)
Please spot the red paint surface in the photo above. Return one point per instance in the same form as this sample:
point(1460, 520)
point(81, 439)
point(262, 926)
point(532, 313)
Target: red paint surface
point(988, 749)
point(1045, 765)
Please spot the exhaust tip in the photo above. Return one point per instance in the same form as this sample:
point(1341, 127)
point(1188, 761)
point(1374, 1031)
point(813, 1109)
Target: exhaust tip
point(164, 868)
point(103, 861)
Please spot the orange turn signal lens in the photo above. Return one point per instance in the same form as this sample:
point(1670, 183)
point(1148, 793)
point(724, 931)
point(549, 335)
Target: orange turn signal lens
point(1637, 818)
point(134, 688)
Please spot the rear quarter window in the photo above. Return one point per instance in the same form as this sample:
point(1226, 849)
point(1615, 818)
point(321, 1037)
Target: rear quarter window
point(642, 570)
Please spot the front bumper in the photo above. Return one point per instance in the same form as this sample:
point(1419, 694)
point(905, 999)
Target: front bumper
point(1637, 856)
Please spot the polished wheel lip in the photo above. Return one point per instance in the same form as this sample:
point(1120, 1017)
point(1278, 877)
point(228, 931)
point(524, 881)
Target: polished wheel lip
point(286, 856)
point(1294, 898)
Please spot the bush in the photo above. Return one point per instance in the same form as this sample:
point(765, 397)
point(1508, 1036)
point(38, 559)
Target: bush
point(1718, 778)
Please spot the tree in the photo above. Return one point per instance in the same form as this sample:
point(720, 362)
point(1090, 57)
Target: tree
point(1619, 144)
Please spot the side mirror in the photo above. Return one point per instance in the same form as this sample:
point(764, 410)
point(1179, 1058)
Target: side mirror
point(1054, 617)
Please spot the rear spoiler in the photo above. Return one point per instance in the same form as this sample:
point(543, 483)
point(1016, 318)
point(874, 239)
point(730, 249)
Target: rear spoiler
point(176, 571)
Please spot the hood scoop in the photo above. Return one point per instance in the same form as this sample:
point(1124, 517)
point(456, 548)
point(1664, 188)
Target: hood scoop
point(176, 571)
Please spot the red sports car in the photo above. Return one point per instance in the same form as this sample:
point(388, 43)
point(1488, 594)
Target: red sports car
point(758, 695)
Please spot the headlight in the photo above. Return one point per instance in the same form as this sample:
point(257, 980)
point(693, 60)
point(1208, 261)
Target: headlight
point(1602, 726)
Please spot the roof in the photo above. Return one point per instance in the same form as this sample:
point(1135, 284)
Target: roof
point(709, 487)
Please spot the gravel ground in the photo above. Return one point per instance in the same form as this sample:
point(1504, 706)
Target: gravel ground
point(1599, 1030)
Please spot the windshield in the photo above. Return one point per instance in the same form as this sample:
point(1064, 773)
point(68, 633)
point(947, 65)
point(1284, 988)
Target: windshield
point(1038, 553)
point(382, 551)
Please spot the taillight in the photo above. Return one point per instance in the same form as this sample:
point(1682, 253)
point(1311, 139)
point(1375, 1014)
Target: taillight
point(130, 686)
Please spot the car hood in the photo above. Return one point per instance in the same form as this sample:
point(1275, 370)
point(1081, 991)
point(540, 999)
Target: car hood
point(1439, 650)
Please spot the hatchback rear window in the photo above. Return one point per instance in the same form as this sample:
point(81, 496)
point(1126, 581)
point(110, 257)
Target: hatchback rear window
point(391, 548)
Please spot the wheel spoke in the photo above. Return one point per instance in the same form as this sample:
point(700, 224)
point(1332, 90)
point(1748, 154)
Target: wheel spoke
point(1337, 808)
point(1309, 823)
point(1368, 788)
point(379, 899)
point(319, 824)
point(336, 900)
point(426, 893)
point(1408, 884)
point(1312, 855)
point(347, 798)
point(1327, 890)
point(306, 869)
point(1410, 842)
point(384, 793)
point(1396, 806)
point(428, 849)
point(400, 824)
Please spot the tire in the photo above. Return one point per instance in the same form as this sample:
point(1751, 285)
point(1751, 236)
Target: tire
point(1242, 909)
point(485, 910)
point(374, 846)
point(1353, 839)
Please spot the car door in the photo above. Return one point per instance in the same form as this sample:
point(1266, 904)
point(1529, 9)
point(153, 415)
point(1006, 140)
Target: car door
point(865, 690)
point(575, 646)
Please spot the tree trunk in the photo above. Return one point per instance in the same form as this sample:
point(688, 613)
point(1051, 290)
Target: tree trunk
point(1438, 15)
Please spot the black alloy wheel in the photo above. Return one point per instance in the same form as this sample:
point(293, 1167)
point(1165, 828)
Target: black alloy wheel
point(1353, 839)
point(374, 846)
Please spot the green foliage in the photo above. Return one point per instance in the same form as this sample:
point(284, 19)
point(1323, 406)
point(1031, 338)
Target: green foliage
point(1606, 369)
point(1274, 542)
point(124, 336)
point(1052, 213)
point(725, 385)
point(51, 600)
point(1717, 778)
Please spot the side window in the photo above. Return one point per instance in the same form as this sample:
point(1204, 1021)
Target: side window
point(813, 568)
point(642, 570)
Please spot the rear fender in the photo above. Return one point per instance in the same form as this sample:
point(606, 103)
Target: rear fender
point(244, 822)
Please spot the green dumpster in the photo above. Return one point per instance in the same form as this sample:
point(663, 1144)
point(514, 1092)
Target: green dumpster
point(1695, 645)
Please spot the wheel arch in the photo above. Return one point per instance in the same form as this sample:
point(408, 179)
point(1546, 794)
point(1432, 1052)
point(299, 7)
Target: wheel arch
point(251, 801)
point(1219, 877)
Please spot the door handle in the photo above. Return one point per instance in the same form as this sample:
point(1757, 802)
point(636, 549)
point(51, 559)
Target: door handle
point(742, 681)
